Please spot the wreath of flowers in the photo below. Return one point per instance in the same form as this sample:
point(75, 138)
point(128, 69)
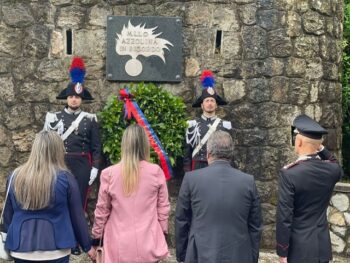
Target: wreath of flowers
point(164, 111)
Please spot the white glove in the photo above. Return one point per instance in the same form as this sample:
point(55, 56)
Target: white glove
point(93, 175)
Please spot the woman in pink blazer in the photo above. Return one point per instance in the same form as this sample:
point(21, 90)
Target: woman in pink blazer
point(133, 206)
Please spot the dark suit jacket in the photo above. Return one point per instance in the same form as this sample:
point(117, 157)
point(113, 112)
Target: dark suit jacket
point(218, 216)
point(305, 188)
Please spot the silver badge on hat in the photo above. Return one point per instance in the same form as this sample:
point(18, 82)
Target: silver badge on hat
point(78, 88)
point(211, 91)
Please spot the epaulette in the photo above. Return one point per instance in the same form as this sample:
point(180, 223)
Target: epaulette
point(191, 123)
point(90, 116)
point(227, 125)
point(286, 167)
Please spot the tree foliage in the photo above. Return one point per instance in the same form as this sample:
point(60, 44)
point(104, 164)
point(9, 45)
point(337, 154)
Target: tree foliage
point(164, 111)
point(346, 88)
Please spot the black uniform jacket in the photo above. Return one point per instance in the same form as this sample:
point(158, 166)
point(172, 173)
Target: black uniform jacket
point(218, 216)
point(304, 189)
point(85, 139)
point(197, 129)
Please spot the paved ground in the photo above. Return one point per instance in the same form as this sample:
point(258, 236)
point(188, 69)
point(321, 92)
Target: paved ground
point(265, 257)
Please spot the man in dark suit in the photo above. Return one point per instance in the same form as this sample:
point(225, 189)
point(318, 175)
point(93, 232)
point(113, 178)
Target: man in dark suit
point(218, 214)
point(304, 190)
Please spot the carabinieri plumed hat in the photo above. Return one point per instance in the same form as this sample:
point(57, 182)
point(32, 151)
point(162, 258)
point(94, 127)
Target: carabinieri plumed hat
point(208, 82)
point(76, 86)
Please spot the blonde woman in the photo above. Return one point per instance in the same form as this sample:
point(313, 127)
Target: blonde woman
point(133, 206)
point(43, 213)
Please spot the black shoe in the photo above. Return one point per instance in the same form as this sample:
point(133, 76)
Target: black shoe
point(76, 251)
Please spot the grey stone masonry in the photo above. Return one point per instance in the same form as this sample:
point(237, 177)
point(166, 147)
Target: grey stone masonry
point(273, 60)
point(339, 218)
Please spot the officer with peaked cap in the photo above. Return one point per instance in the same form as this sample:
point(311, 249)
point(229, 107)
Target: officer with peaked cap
point(199, 129)
point(79, 131)
point(304, 190)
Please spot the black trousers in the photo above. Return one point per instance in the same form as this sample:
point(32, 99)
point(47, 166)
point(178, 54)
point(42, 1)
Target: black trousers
point(80, 167)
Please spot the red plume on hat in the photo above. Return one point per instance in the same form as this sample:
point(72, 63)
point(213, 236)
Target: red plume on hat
point(207, 79)
point(208, 82)
point(75, 87)
point(77, 70)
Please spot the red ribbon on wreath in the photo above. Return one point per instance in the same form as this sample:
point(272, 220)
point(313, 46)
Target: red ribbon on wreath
point(133, 110)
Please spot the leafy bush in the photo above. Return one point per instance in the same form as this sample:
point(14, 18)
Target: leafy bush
point(346, 89)
point(164, 111)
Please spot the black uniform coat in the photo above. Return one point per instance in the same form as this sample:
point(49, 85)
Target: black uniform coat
point(304, 189)
point(218, 216)
point(199, 128)
point(83, 146)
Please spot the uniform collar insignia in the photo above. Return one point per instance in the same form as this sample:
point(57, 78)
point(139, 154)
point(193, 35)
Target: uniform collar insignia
point(207, 118)
point(72, 112)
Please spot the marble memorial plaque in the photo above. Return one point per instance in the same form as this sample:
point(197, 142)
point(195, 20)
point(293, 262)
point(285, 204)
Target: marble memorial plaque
point(144, 49)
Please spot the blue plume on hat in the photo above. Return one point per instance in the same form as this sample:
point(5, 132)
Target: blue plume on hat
point(77, 70)
point(207, 79)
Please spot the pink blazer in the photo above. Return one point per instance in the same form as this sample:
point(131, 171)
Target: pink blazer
point(133, 226)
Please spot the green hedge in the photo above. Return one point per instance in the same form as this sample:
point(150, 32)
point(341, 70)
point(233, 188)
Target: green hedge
point(164, 111)
point(346, 89)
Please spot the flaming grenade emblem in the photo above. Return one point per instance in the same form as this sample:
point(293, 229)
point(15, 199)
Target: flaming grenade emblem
point(138, 40)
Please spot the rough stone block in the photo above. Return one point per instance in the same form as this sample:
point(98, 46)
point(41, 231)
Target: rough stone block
point(295, 67)
point(90, 43)
point(192, 68)
point(234, 90)
point(314, 69)
point(293, 24)
point(337, 219)
point(279, 44)
point(340, 202)
point(245, 115)
point(273, 67)
point(52, 70)
point(258, 90)
point(330, 71)
point(278, 137)
point(10, 41)
point(225, 18)
point(192, 14)
point(231, 45)
point(324, 6)
point(340, 231)
point(22, 141)
point(298, 91)
point(313, 23)
point(269, 213)
point(247, 14)
point(253, 68)
point(279, 87)
point(171, 9)
point(7, 88)
point(270, 19)
point(254, 42)
point(98, 15)
point(306, 47)
point(18, 116)
point(57, 44)
point(17, 15)
point(268, 115)
point(338, 244)
point(36, 42)
point(5, 155)
point(71, 17)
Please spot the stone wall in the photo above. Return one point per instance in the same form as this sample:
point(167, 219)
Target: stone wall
point(339, 219)
point(274, 60)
